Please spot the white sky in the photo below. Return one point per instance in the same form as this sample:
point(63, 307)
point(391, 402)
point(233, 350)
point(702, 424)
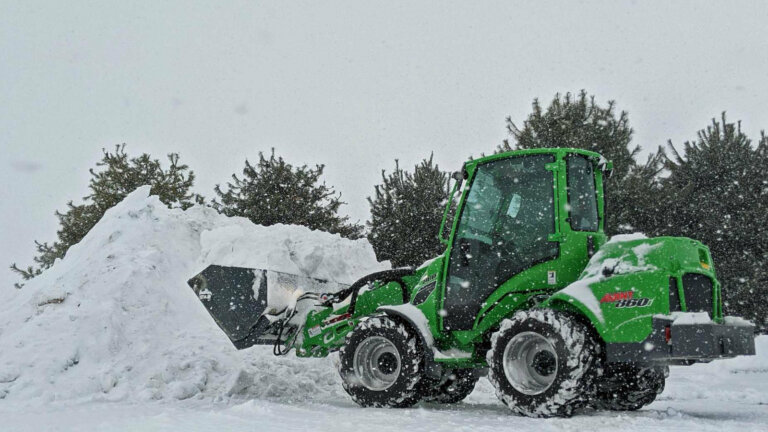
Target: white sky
point(352, 84)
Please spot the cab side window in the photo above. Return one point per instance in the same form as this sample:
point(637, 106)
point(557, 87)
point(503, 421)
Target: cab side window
point(582, 198)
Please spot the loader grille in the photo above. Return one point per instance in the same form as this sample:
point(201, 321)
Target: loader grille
point(697, 292)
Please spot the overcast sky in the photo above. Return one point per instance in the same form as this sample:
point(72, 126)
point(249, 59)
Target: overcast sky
point(353, 85)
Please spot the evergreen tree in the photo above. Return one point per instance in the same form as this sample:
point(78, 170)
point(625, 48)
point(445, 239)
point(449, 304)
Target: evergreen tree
point(274, 191)
point(635, 202)
point(114, 177)
point(717, 192)
point(406, 213)
point(579, 122)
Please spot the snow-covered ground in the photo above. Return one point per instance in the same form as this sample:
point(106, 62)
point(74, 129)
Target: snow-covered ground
point(111, 338)
point(730, 395)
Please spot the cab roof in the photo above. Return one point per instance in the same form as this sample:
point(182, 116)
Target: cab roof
point(557, 151)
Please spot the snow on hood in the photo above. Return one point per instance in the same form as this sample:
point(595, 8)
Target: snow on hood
point(115, 319)
point(626, 237)
point(581, 288)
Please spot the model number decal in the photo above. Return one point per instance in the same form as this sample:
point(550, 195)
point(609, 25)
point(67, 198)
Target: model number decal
point(625, 299)
point(635, 302)
point(613, 297)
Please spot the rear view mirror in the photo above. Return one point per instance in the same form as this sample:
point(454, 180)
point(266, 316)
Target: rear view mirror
point(458, 176)
point(606, 167)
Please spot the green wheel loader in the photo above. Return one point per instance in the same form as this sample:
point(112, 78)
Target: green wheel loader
point(529, 292)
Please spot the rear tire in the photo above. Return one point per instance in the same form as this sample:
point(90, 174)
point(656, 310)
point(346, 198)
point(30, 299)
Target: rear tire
point(628, 387)
point(543, 363)
point(454, 388)
point(381, 364)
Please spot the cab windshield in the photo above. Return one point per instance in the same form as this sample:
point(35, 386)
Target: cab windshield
point(503, 229)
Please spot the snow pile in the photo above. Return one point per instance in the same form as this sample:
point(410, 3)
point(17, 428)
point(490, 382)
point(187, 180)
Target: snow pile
point(287, 248)
point(115, 319)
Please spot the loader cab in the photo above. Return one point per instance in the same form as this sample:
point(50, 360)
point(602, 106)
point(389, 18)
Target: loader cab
point(527, 221)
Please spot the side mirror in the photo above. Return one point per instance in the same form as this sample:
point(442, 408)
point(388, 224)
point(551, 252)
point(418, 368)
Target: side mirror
point(606, 167)
point(458, 176)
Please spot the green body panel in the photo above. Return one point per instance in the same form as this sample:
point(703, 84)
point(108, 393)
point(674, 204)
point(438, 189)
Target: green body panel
point(325, 327)
point(570, 281)
point(644, 268)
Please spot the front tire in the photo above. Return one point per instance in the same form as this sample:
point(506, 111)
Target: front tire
point(543, 363)
point(381, 364)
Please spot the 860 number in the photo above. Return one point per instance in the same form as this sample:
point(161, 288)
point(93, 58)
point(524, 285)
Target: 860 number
point(634, 302)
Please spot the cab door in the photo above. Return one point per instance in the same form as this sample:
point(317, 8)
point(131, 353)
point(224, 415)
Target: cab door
point(503, 229)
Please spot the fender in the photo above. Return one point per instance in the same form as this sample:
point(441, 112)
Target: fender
point(567, 302)
point(415, 319)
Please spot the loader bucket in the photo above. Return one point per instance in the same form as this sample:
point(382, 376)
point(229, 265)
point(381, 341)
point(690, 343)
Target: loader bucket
point(245, 302)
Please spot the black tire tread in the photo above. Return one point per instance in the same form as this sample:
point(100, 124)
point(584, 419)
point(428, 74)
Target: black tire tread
point(576, 388)
point(411, 361)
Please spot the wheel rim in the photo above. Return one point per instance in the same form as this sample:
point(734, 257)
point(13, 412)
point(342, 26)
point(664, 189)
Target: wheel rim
point(376, 363)
point(530, 363)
